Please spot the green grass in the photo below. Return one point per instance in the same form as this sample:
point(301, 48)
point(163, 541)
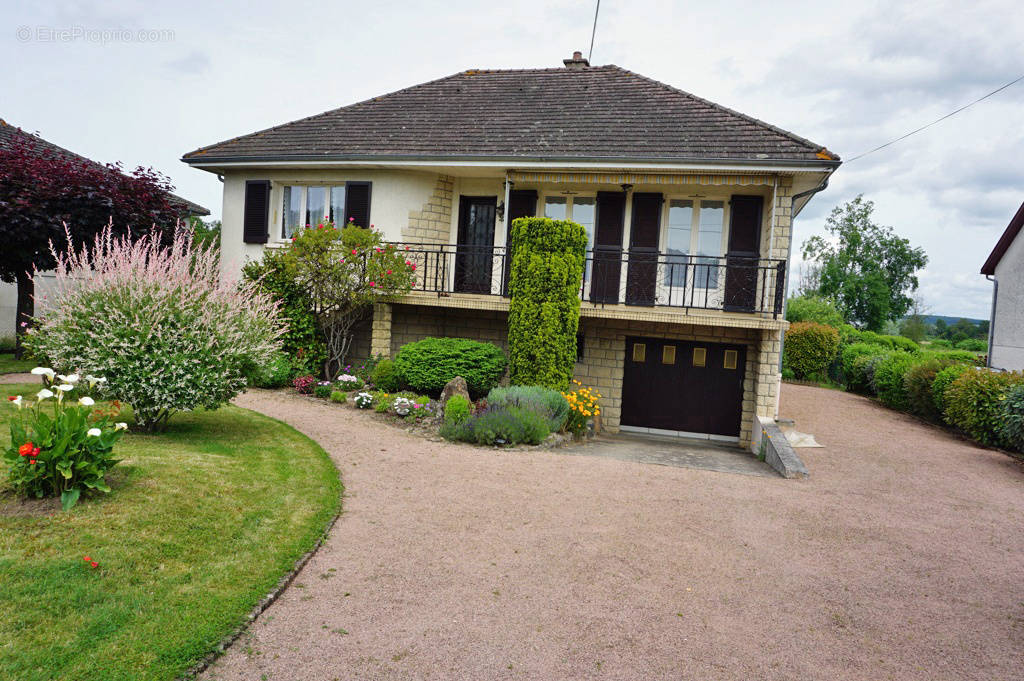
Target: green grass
point(9, 365)
point(202, 523)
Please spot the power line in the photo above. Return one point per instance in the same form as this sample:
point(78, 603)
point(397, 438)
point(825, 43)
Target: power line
point(590, 53)
point(937, 120)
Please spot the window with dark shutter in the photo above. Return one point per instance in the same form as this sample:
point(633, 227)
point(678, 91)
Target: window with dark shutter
point(357, 203)
point(256, 214)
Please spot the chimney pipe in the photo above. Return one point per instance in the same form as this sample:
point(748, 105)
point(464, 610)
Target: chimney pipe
point(576, 62)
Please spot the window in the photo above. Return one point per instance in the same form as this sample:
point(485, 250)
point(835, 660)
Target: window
point(556, 207)
point(309, 204)
point(700, 357)
point(694, 229)
point(584, 210)
point(729, 362)
point(639, 352)
point(668, 354)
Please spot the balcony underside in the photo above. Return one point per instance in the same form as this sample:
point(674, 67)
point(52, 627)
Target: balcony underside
point(663, 315)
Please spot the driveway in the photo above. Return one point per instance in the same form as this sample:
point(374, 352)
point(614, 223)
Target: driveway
point(899, 558)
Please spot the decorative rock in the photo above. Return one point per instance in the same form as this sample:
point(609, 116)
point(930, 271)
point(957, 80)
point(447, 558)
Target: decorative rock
point(456, 386)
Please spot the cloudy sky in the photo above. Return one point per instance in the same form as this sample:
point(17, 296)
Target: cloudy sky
point(144, 82)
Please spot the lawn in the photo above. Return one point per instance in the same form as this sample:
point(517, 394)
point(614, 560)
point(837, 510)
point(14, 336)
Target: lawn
point(9, 365)
point(202, 523)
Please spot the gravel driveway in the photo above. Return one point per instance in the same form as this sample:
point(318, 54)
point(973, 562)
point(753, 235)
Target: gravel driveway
point(899, 558)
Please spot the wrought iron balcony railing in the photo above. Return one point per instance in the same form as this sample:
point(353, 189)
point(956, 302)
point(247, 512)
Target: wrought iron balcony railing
point(643, 277)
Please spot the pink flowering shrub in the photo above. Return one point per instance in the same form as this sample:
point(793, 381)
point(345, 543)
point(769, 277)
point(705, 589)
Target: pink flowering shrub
point(157, 321)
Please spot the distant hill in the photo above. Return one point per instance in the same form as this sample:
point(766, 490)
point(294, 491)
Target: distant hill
point(932, 318)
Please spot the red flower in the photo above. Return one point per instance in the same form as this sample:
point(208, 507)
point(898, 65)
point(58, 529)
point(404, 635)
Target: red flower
point(371, 225)
point(33, 461)
point(389, 271)
point(353, 251)
point(351, 219)
point(25, 449)
point(372, 284)
point(12, 398)
point(414, 268)
point(94, 564)
point(87, 559)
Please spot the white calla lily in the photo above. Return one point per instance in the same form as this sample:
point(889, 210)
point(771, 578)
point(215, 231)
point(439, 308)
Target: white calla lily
point(44, 394)
point(94, 432)
point(86, 401)
point(70, 378)
point(64, 387)
point(44, 371)
point(120, 425)
point(17, 401)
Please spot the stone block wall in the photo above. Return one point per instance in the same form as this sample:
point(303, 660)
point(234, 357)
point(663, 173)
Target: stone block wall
point(432, 224)
point(411, 323)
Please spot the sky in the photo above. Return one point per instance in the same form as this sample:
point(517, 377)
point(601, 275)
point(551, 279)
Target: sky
point(144, 83)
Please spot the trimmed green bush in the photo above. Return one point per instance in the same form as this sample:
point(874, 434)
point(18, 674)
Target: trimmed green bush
point(809, 349)
point(323, 391)
point(338, 396)
point(544, 300)
point(918, 383)
point(385, 376)
point(456, 410)
point(974, 402)
point(972, 345)
point(427, 365)
point(888, 379)
point(549, 403)
point(1011, 429)
point(853, 365)
point(905, 344)
point(943, 379)
point(275, 373)
point(958, 356)
point(940, 343)
point(501, 426)
point(811, 308)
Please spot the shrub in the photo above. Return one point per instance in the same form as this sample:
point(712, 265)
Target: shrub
point(381, 402)
point(853, 365)
point(918, 384)
point(456, 410)
point(544, 300)
point(974, 402)
point(323, 390)
point(364, 400)
point(810, 347)
point(365, 369)
point(868, 367)
point(973, 345)
point(549, 403)
point(63, 450)
point(940, 343)
point(905, 344)
point(159, 322)
point(502, 426)
point(1011, 428)
point(943, 379)
point(583, 406)
point(304, 384)
point(301, 341)
point(274, 373)
point(385, 376)
point(427, 365)
point(338, 396)
point(960, 356)
point(811, 308)
point(889, 379)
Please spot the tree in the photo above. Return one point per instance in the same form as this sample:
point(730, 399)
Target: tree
point(344, 272)
point(812, 308)
point(914, 325)
point(44, 190)
point(866, 268)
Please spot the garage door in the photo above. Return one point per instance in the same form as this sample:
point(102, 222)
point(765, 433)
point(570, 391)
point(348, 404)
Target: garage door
point(683, 386)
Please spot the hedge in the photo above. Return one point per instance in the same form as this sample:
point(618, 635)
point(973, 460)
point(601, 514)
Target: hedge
point(810, 347)
point(427, 365)
point(853, 371)
point(1011, 430)
point(974, 403)
point(544, 300)
point(812, 308)
point(943, 379)
point(888, 379)
point(918, 382)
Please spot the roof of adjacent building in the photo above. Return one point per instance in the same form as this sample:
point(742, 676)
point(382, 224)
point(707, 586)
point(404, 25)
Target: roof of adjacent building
point(9, 133)
point(1009, 234)
point(602, 113)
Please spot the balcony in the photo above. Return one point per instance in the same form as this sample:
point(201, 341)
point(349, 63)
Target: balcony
point(613, 277)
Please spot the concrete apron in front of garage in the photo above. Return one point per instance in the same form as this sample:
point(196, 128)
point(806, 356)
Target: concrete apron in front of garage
point(665, 450)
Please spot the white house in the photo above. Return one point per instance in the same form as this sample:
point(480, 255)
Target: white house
point(1005, 268)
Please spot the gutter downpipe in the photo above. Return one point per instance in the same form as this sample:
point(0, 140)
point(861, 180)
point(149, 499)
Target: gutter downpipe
point(992, 319)
point(789, 256)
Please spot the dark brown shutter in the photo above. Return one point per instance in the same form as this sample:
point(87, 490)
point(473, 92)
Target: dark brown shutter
point(256, 214)
point(645, 227)
point(357, 204)
point(522, 203)
point(745, 225)
point(644, 232)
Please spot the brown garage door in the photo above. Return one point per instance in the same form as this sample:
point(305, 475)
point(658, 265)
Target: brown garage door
point(683, 385)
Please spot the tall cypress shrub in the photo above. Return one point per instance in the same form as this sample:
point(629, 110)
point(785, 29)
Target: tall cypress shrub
point(544, 307)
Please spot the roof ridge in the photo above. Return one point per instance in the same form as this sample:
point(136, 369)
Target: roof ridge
point(782, 131)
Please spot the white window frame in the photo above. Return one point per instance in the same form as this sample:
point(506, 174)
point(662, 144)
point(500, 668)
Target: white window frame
point(689, 291)
point(304, 202)
point(570, 195)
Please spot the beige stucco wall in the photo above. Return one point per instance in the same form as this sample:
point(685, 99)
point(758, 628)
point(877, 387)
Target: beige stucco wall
point(1007, 351)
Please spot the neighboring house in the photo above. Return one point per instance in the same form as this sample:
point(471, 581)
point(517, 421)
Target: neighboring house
point(688, 206)
point(9, 292)
point(1005, 268)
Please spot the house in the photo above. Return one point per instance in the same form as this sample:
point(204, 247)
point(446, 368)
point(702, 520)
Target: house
point(1005, 269)
point(688, 206)
point(9, 135)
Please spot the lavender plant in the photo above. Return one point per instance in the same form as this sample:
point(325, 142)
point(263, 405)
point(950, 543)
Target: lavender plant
point(158, 321)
